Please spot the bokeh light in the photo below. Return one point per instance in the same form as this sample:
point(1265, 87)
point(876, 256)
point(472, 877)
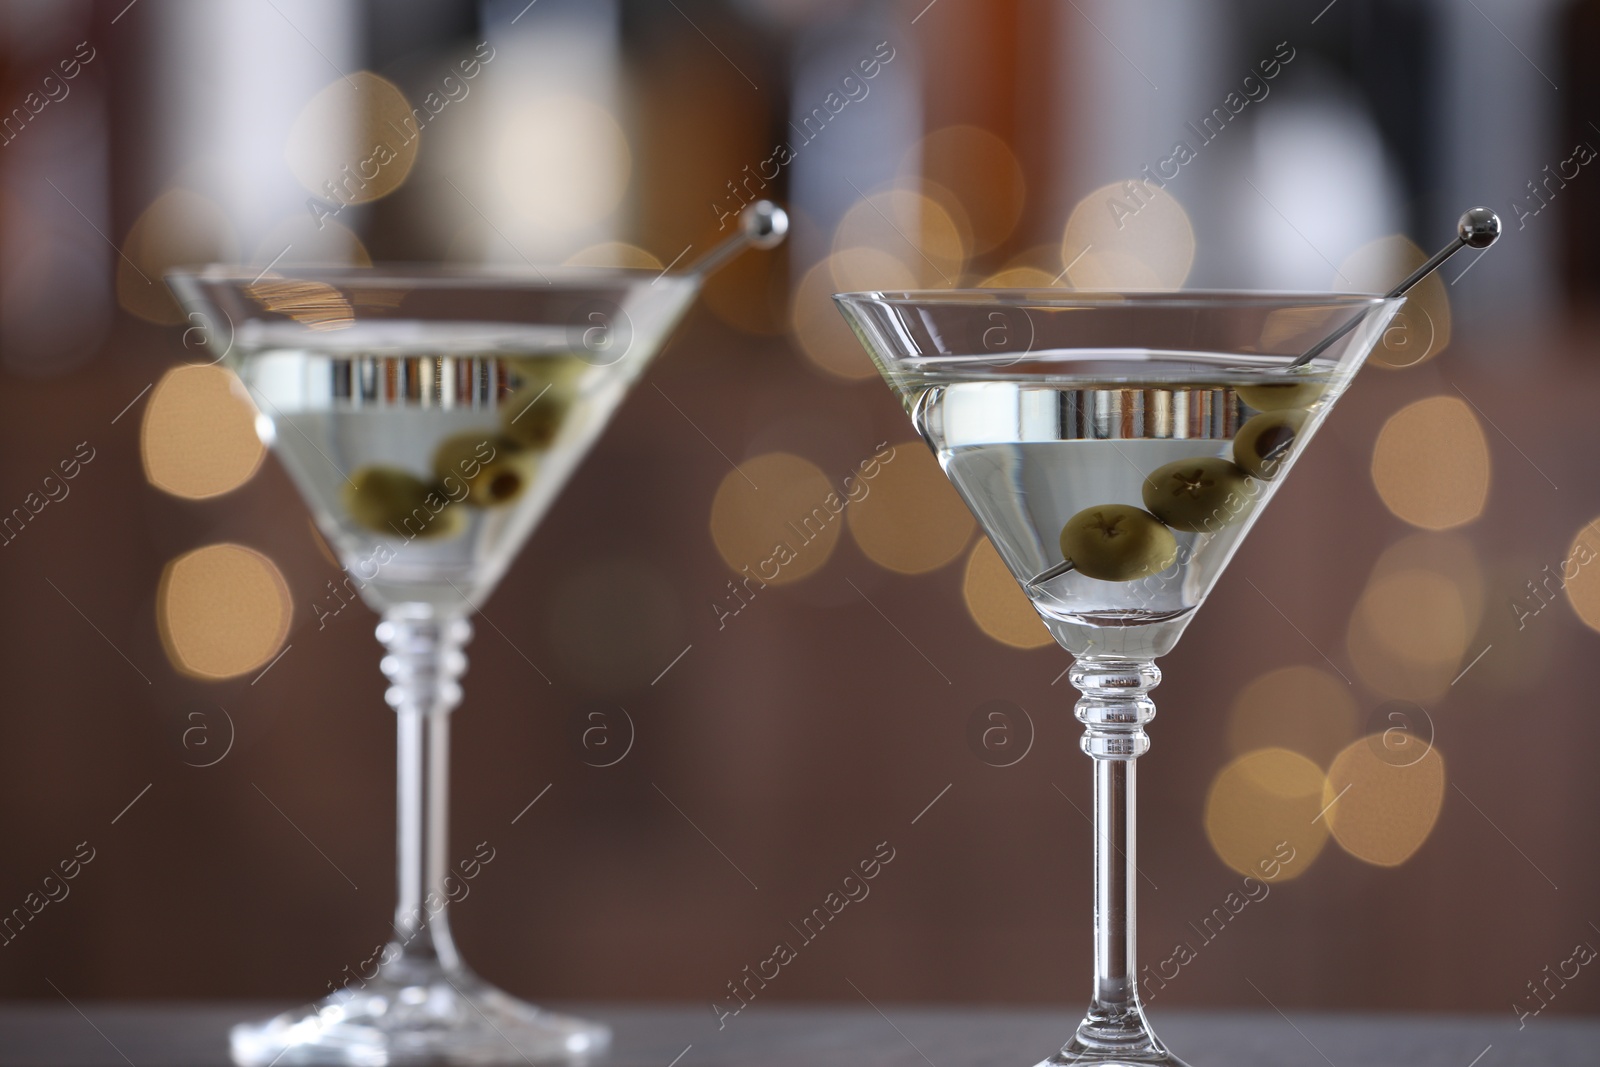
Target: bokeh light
point(822, 333)
point(1421, 328)
point(1128, 235)
point(1389, 674)
point(1583, 585)
point(1417, 615)
point(906, 226)
point(1303, 709)
point(562, 162)
point(298, 241)
point(981, 172)
point(222, 611)
point(1293, 329)
point(1431, 463)
point(997, 604)
point(355, 141)
point(1262, 808)
point(771, 519)
point(1041, 257)
point(857, 268)
point(198, 438)
point(1382, 806)
point(179, 229)
point(1444, 553)
point(910, 521)
point(1018, 278)
point(614, 254)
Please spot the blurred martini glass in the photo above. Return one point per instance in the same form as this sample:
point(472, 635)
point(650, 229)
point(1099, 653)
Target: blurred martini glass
point(1116, 448)
point(430, 417)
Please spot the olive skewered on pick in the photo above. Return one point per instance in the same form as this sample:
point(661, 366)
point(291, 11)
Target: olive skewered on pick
point(1264, 441)
point(1117, 543)
point(494, 469)
point(1196, 495)
point(387, 500)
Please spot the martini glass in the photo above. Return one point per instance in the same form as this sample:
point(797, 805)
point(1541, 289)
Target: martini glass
point(1116, 447)
point(430, 417)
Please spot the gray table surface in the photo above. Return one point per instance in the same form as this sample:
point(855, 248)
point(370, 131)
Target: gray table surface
point(102, 1034)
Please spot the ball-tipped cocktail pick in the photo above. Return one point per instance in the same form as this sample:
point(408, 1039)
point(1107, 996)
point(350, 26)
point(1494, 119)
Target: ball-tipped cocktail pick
point(1478, 228)
point(762, 224)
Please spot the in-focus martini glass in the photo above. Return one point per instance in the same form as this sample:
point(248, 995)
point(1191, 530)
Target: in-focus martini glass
point(430, 417)
point(1116, 448)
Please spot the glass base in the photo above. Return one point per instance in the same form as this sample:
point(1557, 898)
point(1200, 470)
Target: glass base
point(1114, 1039)
point(443, 1017)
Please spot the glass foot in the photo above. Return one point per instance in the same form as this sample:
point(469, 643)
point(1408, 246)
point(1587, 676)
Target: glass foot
point(1114, 1039)
point(439, 1018)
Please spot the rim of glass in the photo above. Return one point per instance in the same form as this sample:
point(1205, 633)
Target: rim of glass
point(436, 275)
point(1184, 298)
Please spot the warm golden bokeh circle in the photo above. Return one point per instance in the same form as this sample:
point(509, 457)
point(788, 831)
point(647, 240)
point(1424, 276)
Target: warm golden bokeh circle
point(775, 516)
point(1420, 330)
point(1581, 573)
point(1382, 810)
point(1417, 615)
point(1263, 806)
point(862, 267)
point(1303, 709)
point(1018, 278)
point(997, 604)
point(179, 229)
point(355, 141)
point(910, 521)
point(983, 174)
point(613, 254)
point(198, 438)
point(1391, 675)
point(913, 229)
point(222, 611)
point(819, 328)
point(297, 241)
point(562, 162)
point(1128, 235)
point(1431, 463)
point(1444, 553)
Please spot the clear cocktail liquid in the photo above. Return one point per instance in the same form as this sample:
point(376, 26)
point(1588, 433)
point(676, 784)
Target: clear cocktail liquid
point(335, 419)
point(1029, 447)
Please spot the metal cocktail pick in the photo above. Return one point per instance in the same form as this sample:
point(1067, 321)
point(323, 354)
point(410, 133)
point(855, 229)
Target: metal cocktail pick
point(762, 224)
point(1478, 228)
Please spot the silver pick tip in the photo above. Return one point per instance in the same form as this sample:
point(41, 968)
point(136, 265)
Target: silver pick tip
point(1479, 228)
point(764, 224)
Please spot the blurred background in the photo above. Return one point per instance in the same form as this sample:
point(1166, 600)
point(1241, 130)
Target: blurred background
point(1409, 634)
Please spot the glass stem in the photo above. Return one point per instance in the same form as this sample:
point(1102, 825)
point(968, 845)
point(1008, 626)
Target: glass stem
point(1114, 710)
point(424, 661)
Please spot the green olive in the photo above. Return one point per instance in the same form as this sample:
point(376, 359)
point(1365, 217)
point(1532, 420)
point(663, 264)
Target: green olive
point(503, 479)
point(1117, 543)
point(493, 468)
point(534, 414)
point(560, 371)
point(1197, 495)
point(1280, 396)
point(397, 503)
point(1266, 440)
